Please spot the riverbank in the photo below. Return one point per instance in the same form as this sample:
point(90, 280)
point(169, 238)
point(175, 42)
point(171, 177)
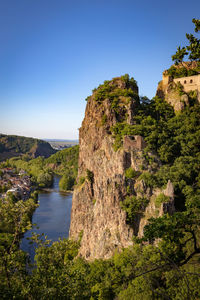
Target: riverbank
point(52, 216)
point(49, 190)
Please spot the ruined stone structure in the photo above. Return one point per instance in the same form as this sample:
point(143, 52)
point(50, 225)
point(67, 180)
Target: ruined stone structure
point(168, 89)
point(133, 142)
point(190, 83)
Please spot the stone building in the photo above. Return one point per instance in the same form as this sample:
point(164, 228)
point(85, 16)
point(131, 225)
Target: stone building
point(167, 89)
point(189, 83)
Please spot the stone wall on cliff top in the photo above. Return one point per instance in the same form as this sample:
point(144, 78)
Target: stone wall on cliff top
point(101, 184)
point(176, 91)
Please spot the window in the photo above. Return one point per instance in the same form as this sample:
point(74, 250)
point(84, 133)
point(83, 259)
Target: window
point(191, 80)
point(185, 81)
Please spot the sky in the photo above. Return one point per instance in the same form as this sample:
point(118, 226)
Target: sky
point(54, 52)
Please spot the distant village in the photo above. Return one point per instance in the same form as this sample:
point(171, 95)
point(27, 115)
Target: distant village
point(17, 184)
point(60, 145)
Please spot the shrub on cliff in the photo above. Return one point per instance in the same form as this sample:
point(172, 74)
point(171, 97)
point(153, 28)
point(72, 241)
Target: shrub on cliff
point(183, 71)
point(130, 173)
point(133, 206)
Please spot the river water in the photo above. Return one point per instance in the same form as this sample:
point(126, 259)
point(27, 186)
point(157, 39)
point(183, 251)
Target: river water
point(52, 216)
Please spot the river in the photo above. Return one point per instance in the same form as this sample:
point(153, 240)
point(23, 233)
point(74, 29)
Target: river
point(52, 216)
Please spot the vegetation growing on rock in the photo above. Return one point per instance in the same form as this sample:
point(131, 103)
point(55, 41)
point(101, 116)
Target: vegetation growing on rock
point(183, 70)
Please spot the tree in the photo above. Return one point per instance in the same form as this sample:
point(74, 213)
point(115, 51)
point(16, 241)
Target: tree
point(197, 24)
point(193, 49)
point(179, 55)
point(66, 182)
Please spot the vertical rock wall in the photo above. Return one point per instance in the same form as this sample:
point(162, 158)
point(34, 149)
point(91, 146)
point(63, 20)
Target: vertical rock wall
point(101, 184)
point(96, 208)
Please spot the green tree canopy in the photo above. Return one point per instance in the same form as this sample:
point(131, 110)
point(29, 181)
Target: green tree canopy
point(193, 49)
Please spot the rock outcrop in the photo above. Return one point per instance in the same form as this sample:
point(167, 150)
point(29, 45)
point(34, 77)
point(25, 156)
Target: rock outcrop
point(102, 184)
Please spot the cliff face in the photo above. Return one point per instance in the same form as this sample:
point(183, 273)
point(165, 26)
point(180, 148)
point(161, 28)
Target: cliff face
point(102, 184)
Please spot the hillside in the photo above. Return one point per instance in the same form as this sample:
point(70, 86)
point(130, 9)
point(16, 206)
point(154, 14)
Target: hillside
point(13, 145)
point(65, 163)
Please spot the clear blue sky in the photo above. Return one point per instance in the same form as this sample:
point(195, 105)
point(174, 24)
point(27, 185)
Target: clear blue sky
point(54, 52)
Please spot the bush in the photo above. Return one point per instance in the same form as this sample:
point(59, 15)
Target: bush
point(161, 199)
point(45, 179)
point(181, 72)
point(130, 173)
point(149, 179)
point(81, 180)
point(90, 176)
point(133, 206)
point(104, 119)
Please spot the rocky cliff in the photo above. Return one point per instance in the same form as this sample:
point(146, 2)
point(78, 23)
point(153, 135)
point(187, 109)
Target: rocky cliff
point(110, 177)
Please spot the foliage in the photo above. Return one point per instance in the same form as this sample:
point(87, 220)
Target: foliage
point(179, 88)
point(178, 57)
point(65, 163)
point(21, 144)
point(178, 72)
point(130, 173)
point(15, 219)
point(169, 270)
point(118, 97)
point(90, 176)
point(66, 183)
point(133, 206)
point(104, 119)
point(150, 118)
point(81, 180)
point(130, 82)
point(161, 199)
point(39, 172)
point(149, 179)
point(193, 49)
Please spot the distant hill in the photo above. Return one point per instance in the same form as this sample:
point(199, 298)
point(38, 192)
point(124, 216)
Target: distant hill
point(61, 140)
point(13, 145)
point(60, 144)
